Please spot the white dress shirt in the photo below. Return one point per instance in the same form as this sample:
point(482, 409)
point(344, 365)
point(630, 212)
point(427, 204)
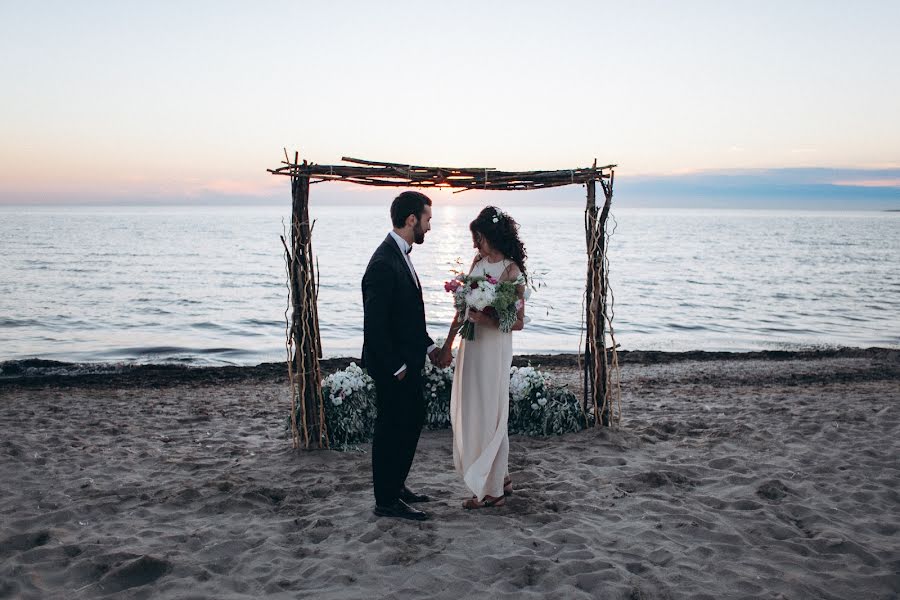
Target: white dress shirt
point(404, 249)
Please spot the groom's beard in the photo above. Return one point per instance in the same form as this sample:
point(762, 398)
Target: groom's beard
point(418, 233)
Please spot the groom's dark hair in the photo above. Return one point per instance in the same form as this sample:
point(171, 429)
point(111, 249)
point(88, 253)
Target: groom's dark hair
point(408, 203)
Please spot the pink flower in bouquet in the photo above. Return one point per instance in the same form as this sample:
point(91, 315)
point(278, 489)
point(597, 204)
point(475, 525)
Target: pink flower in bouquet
point(491, 280)
point(452, 285)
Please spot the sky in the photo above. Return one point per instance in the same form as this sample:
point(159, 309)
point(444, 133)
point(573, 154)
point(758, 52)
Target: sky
point(192, 101)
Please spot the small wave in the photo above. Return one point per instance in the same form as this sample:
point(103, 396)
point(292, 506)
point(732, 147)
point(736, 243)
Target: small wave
point(704, 283)
point(791, 330)
point(208, 325)
point(680, 327)
point(36, 367)
point(10, 322)
point(260, 323)
point(178, 354)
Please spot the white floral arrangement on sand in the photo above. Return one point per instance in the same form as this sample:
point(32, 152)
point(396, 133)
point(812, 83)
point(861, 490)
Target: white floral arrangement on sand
point(536, 406)
point(343, 384)
point(349, 406)
point(438, 383)
point(524, 380)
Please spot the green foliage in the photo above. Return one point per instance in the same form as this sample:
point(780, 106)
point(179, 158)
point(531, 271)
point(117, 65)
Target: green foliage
point(438, 383)
point(537, 407)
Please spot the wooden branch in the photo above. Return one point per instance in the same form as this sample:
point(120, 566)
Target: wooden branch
point(384, 174)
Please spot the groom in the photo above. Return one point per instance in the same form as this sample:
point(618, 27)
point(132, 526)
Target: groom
point(395, 343)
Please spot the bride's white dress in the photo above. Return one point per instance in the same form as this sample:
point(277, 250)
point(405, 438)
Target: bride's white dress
point(479, 403)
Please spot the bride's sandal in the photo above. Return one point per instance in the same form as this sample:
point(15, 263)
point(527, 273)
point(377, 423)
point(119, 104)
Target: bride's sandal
point(489, 501)
point(507, 487)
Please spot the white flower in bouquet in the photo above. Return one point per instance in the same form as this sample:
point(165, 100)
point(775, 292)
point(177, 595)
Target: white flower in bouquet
point(480, 293)
point(481, 296)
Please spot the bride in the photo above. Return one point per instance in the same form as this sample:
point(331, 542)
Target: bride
point(479, 400)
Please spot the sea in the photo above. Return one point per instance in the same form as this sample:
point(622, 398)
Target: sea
point(206, 285)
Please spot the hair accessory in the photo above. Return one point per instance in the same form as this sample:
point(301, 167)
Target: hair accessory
point(497, 215)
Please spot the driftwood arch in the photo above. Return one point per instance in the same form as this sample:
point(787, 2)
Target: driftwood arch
point(304, 344)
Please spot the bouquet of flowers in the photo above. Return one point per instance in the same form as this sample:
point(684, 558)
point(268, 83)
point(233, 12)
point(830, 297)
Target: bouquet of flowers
point(497, 299)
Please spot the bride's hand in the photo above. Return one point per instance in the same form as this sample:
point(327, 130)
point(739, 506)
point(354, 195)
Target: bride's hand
point(477, 317)
point(446, 356)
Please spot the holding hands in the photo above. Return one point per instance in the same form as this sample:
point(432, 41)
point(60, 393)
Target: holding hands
point(441, 357)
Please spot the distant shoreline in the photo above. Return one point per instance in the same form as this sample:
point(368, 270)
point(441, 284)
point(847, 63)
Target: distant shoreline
point(36, 372)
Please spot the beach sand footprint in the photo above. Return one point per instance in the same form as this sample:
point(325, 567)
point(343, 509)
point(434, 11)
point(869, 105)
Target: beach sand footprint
point(140, 571)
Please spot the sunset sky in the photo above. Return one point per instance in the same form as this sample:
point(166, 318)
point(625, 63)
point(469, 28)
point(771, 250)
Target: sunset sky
point(121, 101)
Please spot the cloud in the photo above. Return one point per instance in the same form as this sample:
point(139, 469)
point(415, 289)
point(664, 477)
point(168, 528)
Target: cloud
point(237, 187)
point(803, 188)
point(876, 183)
point(829, 188)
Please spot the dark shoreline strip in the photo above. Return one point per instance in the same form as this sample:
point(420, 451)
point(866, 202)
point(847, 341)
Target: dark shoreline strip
point(32, 373)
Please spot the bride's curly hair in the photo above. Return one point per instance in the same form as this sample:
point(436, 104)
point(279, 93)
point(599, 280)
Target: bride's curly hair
point(502, 233)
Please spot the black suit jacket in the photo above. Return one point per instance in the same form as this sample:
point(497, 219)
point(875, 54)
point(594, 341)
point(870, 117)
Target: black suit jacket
point(394, 331)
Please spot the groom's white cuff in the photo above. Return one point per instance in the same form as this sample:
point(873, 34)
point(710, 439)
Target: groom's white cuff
point(431, 349)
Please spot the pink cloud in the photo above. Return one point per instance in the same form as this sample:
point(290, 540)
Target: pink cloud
point(238, 187)
point(886, 182)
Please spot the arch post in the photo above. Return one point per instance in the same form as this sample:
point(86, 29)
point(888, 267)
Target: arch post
point(308, 426)
point(597, 389)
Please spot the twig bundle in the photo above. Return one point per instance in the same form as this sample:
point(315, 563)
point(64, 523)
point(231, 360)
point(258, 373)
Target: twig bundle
point(368, 172)
point(303, 342)
point(600, 360)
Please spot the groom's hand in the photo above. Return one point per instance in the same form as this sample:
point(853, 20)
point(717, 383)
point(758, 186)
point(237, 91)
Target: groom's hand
point(435, 357)
point(444, 357)
point(401, 375)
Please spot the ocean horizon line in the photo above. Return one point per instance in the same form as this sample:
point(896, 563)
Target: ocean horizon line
point(578, 202)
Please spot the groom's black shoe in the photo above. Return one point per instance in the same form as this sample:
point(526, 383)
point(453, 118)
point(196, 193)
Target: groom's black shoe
point(400, 510)
point(410, 497)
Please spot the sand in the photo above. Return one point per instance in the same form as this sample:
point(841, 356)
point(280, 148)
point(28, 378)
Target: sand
point(771, 475)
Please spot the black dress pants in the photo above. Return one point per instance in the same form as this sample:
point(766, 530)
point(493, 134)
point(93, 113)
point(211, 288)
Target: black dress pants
point(401, 414)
